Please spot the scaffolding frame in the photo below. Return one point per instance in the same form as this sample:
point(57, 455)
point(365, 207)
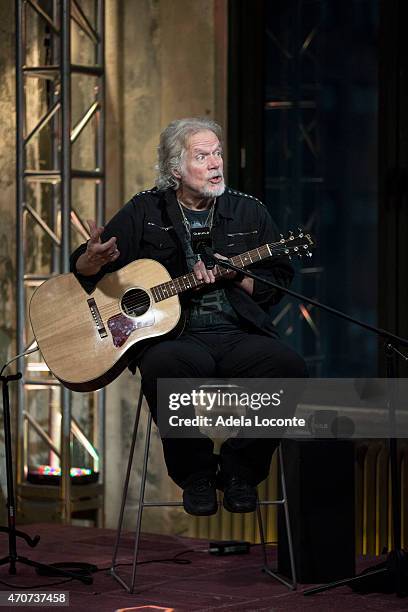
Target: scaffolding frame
point(296, 97)
point(57, 72)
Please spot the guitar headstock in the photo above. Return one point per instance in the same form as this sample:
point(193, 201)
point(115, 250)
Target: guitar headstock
point(298, 244)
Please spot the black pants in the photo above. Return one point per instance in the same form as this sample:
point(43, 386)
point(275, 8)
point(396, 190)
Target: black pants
point(238, 354)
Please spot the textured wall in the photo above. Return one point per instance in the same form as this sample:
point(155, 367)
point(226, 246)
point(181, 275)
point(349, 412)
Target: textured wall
point(161, 58)
point(7, 180)
point(168, 72)
point(187, 55)
point(7, 201)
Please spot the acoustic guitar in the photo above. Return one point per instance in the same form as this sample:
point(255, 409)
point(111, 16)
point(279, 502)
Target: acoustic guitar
point(85, 338)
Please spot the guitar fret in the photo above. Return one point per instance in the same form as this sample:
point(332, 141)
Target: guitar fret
point(173, 288)
point(159, 292)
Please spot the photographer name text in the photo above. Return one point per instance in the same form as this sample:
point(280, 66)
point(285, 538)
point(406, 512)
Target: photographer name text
point(235, 421)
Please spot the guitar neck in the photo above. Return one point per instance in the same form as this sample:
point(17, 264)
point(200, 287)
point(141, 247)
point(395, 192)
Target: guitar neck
point(189, 281)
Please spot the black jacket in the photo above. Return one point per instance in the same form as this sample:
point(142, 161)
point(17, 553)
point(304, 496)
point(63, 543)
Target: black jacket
point(150, 226)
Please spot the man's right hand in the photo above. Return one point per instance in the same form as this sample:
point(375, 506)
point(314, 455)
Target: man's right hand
point(97, 253)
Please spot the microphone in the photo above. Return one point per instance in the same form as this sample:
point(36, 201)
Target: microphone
point(207, 256)
point(200, 243)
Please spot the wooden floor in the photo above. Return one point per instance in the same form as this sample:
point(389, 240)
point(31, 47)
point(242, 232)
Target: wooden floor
point(234, 583)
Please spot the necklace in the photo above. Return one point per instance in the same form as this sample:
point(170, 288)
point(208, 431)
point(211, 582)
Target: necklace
point(208, 222)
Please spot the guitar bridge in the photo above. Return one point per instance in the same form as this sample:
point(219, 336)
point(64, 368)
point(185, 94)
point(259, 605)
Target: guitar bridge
point(97, 318)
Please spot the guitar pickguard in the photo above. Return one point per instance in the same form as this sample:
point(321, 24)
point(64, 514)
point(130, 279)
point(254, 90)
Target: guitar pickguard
point(121, 326)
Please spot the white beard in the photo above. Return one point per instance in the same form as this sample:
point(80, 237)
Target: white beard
point(217, 191)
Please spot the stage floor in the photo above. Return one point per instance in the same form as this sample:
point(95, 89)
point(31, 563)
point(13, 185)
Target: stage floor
point(234, 583)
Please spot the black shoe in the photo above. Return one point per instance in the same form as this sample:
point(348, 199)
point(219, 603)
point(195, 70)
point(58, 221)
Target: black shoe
point(199, 497)
point(239, 495)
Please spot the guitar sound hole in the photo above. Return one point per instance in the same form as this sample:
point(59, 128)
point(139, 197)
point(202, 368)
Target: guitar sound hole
point(135, 302)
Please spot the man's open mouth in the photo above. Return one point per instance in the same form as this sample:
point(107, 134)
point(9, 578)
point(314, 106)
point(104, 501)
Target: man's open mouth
point(215, 180)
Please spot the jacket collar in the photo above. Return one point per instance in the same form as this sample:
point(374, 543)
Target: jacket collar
point(223, 208)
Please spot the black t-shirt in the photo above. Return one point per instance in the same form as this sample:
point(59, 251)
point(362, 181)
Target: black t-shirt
point(209, 309)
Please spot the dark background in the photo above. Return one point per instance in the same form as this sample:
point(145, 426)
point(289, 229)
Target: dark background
point(317, 129)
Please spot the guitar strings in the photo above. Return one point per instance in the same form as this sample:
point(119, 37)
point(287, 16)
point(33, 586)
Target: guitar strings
point(175, 281)
point(111, 309)
point(130, 305)
point(140, 301)
point(127, 303)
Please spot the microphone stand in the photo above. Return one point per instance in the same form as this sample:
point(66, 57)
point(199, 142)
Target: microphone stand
point(395, 568)
point(12, 558)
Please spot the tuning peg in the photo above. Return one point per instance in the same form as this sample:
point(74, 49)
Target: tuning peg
point(309, 254)
point(295, 248)
point(282, 238)
point(305, 246)
point(300, 232)
point(287, 251)
point(291, 237)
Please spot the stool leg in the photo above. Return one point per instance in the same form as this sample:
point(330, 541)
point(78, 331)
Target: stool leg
point(266, 568)
point(141, 501)
point(126, 485)
point(287, 520)
point(261, 533)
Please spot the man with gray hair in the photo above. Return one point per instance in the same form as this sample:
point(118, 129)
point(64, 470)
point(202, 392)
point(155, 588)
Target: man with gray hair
point(229, 330)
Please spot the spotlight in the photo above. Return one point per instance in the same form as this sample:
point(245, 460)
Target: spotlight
point(49, 475)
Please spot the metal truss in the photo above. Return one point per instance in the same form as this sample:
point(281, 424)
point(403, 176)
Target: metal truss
point(297, 176)
point(49, 224)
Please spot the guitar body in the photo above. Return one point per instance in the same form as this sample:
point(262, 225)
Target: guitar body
point(84, 338)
